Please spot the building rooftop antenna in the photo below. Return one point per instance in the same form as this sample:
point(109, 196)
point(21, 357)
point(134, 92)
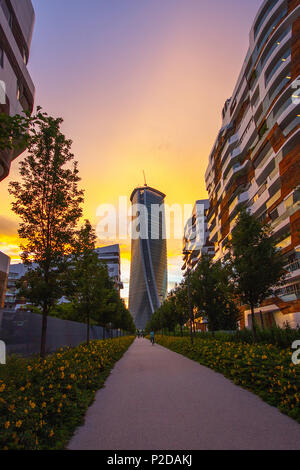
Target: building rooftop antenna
point(145, 178)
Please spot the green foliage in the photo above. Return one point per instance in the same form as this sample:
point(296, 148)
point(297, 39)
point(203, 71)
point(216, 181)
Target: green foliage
point(256, 265)
point(262, 369)
point(89, 288)
point(48, 202)
point(67, 311)
point(14, 131)
point(173, 312)
point(86, 278)
point(279, 337)
point(42, 402)
point(213, 295)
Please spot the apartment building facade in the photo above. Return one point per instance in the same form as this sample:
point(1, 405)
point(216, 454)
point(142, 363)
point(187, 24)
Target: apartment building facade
point(16, 86)
point(196, 236)
point(110, 255)
point(255, 160)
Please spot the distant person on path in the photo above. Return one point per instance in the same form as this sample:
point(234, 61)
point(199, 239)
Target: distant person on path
point(152, 337)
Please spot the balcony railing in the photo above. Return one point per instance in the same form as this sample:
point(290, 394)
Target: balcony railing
point(293, 266)
point(289, 290)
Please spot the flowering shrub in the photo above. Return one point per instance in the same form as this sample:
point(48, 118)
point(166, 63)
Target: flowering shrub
point(43, 401)
point(262, 369)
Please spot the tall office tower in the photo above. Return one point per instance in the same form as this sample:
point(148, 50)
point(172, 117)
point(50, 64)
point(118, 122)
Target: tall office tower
point(16, 87)
point(149, 272)
point(255, 160)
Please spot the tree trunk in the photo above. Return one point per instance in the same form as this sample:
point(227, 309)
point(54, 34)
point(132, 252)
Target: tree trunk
point(181, 331)
point(262, 320)
point(88, 329)
point(253, 323)
point(44, 333)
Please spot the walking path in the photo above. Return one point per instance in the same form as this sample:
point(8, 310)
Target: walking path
point(156, 399)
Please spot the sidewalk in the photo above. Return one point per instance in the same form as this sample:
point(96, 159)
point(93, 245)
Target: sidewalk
point(156, 399)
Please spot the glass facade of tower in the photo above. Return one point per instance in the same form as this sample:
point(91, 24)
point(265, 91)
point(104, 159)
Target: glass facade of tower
point(149, 274)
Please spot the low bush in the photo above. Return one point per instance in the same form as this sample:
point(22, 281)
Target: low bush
point(263, 369)
point(280, 337)
point(43, 401)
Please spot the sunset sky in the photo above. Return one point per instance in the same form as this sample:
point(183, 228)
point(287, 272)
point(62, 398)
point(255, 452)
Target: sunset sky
point(140, 85)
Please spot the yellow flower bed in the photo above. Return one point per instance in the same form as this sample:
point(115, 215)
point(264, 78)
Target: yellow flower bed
point(262, 369)
point(42, 402)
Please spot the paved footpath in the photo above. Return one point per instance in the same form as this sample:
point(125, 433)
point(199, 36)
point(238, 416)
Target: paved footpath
point(156, 399)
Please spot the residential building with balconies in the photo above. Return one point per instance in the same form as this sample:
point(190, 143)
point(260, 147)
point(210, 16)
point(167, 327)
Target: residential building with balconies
point(196, 236)
point(255, 160)
point(16, 87)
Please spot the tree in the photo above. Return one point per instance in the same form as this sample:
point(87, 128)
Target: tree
point(87, 277)
point(90, 289)
point(256, 263)
point(179, 297)
point(213, 296)
point(48, 202)
point(156, 322)
point(125, 320)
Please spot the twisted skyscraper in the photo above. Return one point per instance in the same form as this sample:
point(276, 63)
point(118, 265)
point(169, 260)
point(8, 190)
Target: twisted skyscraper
point(149, 274)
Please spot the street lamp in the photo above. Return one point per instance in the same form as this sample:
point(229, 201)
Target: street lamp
point(188, 270)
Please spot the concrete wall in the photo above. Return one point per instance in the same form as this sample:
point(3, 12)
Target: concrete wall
point(21, 332)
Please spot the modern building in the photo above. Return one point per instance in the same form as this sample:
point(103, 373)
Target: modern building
point(149, 272)
point(110, 255)
point(16, 87)
point(4, 268)
point(255, 160)
point(16, 272)
point(196, 236)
